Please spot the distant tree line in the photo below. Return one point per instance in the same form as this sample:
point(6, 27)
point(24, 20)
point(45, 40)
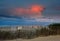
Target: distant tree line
point(53, 29)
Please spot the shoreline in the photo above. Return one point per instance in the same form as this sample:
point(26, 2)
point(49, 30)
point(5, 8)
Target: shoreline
point(47, 38)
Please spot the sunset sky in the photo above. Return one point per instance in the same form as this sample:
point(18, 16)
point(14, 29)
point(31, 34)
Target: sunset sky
point(29, 12)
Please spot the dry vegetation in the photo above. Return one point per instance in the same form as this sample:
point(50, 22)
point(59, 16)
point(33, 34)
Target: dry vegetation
point(54, 29)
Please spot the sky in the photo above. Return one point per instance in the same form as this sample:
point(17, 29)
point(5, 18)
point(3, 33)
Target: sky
point(29, 12)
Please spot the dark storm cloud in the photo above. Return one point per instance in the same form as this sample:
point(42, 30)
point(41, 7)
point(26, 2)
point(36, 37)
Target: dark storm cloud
point(4, 13)
point(7, 14)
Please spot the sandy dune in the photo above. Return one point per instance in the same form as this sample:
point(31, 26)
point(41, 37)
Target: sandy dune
point(48, 38)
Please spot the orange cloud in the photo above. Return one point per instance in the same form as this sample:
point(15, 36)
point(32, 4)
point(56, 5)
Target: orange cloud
point(19, 10)
point(34, 9)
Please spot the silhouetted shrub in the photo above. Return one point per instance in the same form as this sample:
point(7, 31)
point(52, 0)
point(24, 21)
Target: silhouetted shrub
point(54, 28)
point(7, 35)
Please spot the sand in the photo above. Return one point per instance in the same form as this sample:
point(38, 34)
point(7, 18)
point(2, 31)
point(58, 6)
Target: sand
point(48, 38)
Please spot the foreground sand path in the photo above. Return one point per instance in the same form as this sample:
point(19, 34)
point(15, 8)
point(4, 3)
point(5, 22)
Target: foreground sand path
point(48, 38)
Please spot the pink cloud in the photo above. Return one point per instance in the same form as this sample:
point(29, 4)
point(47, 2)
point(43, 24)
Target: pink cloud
point(34, 10)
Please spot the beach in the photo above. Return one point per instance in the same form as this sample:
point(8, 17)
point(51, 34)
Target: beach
point(46, 38)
